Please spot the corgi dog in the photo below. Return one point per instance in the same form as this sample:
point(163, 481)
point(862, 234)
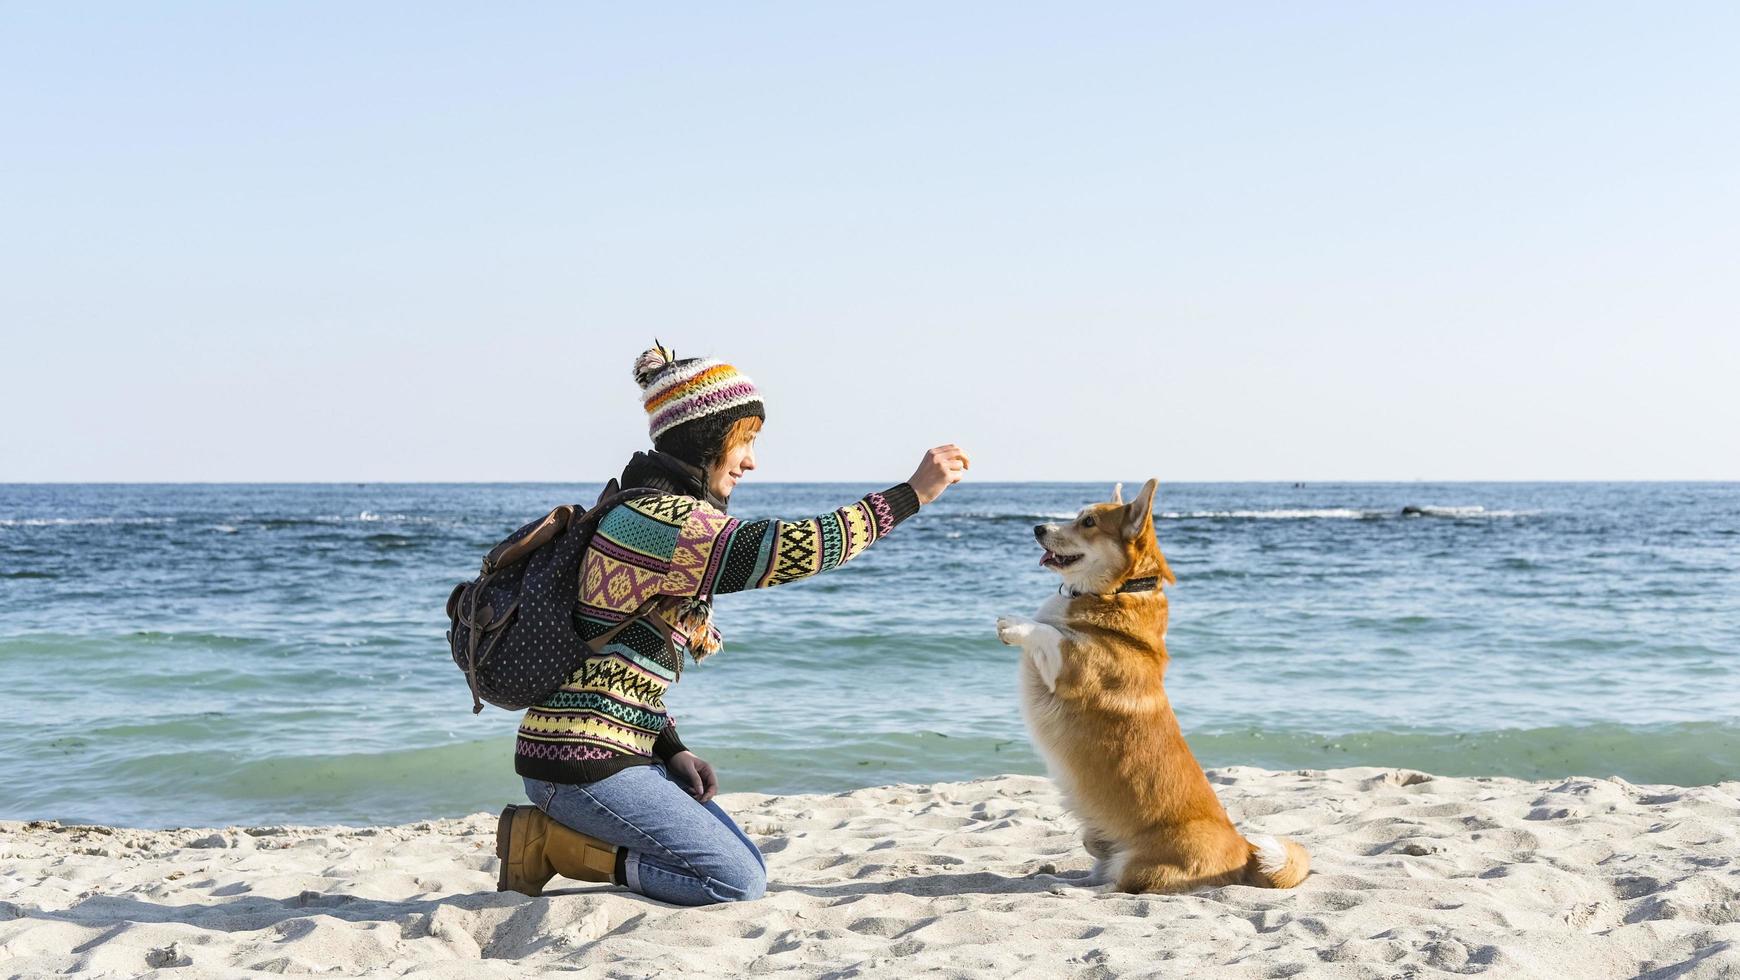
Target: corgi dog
point(1092, 664)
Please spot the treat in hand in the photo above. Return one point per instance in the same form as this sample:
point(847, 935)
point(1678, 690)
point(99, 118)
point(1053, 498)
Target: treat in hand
point(941, 468)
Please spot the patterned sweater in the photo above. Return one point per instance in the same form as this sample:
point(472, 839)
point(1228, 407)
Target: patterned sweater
point(611, 713)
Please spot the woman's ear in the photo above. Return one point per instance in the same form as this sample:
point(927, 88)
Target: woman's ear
point(1140, 511)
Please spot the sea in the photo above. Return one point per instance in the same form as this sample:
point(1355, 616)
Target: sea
point(199, 655)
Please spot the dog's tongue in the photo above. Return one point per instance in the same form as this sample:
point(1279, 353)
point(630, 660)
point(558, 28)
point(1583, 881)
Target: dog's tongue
point(1047, 558)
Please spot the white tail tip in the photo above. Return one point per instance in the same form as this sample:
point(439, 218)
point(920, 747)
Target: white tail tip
point(1271, 856)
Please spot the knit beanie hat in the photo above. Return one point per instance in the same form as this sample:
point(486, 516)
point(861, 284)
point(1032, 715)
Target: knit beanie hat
point(690, 403)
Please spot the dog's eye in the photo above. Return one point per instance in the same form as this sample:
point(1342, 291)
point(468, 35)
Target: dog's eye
point(1087, 522)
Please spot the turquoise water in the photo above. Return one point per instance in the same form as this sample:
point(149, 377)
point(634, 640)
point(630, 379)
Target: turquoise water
point(177, 655)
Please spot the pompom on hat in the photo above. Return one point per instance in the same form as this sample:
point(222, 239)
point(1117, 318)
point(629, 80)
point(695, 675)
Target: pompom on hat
point(689, 403)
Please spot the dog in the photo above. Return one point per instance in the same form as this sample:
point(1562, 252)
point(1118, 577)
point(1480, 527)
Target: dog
point(1092, 663)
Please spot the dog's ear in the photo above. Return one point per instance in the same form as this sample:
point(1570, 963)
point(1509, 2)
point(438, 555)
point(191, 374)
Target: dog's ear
point(1117, 493)
point(1139, 521)
point(1140, 511)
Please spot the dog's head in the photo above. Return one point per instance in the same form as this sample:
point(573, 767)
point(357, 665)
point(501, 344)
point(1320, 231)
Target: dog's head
point(1106, 545)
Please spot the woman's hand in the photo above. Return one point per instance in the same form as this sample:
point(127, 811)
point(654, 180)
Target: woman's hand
point(942, 467)
point(694, 775)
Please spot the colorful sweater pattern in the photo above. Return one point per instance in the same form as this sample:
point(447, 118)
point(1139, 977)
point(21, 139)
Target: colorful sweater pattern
point(677, 549)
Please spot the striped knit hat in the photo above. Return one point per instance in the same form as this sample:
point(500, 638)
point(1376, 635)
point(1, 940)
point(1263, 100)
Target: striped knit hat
point(689, 403)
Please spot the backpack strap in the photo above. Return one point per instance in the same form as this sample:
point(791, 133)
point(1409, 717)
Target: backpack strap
point(610, 497)
point(645, 611)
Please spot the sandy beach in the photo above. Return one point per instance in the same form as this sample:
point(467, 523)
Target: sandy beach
point(1415, 876)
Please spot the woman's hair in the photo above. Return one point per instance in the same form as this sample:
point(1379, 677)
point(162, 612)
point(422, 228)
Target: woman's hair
point(732, 435)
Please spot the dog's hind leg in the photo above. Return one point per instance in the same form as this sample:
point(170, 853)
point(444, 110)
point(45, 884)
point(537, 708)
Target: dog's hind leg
point(1156, 871)
point(1141, 876)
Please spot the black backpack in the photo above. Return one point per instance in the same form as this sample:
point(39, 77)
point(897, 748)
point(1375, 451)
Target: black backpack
point(513, 631)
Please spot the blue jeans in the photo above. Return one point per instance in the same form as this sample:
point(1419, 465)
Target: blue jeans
point(679, 851)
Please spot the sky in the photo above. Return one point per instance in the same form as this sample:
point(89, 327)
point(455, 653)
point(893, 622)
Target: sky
point(1256, 241)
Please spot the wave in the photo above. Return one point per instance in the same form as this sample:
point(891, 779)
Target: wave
point(1283, 514)
point(215, 789)
point(370, 517)
point(1683, 754)
point(975, 515)
point(1342, 514)
point(67, 648)
point(465, 776)
point(1455, 512)
point(363, 517)
point(1473, 512)
point(236, 521)
point(80, 521)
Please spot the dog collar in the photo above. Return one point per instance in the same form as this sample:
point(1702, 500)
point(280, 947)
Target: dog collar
point(1148, 584)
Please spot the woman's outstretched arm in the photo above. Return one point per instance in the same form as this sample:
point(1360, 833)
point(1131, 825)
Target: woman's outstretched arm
point(716, 553)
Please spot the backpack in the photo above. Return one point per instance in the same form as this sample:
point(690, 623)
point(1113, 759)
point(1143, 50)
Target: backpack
point(512, 631)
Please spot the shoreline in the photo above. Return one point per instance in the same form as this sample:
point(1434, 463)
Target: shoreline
point(1413, 874)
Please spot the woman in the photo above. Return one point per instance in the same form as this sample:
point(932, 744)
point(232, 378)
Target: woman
point(618, 797)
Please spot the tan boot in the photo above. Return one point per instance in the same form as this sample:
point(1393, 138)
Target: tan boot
point(533, 849)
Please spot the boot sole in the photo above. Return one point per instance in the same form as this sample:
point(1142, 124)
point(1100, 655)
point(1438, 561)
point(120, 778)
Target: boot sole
point(503, 836)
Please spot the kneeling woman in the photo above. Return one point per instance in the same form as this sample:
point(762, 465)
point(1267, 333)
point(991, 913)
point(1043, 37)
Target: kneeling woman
point(618, 796)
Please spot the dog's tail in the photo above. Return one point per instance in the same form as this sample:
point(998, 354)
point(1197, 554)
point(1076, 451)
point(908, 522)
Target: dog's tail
point(1276, 862)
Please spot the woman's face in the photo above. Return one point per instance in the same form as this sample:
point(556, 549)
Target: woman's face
point(729, 468)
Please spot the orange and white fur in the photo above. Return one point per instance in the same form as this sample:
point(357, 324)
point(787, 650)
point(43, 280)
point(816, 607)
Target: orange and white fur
point(1092, 663)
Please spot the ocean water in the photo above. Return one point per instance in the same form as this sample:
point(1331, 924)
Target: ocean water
point(208, 654)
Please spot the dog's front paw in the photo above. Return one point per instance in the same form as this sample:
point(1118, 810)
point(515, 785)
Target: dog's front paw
point(1013, 630)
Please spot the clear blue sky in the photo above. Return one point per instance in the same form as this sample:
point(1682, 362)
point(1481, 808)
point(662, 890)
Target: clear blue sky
point(419, 241)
